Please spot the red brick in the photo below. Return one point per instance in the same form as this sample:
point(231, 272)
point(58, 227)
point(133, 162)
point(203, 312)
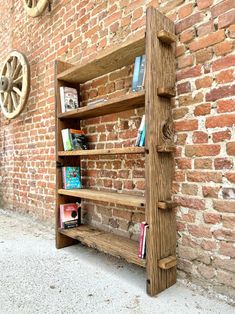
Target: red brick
point(190, 202)
point(188, 22)
point(189, 99)
point(183, 163)
point(223, 48)
point(183, 88)
point(208, 245)
point(227, 249)
point(187, 73)
point(224, 206)
point(211, 218)
point(227, 105)
point(205, 28)
point(202, 150)
point(203, 163)
point(225, 77)
point(185, 10)
point(222, 7)
point(230, 176)
point(179, 50)
point(181, 139)
point(203, 55)
point(187, 36)
point(220, 121)
point(221, 136)
point(199, 176)
point(189, 189)
point(200, 137)
point(232, 31)
point(199, 231)
point(207, 41)
point(179, 113)
point(204, 82)
point(202, 110)
point(186, 125)
point(230, 148)
point(223, 163)
point(228, 222)
point(209, 191)
point(185, 61)
point(223, 63)
point(203, 4)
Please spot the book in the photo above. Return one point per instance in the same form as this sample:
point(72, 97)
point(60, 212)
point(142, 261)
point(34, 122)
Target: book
point(140, 130)
point(70, 215)
point(71, 178)
point(142, 238)
point(136, 73)
point(68, 98)
point(74, 139)
point(142, 138)
point(141, 76)
point(143, 253)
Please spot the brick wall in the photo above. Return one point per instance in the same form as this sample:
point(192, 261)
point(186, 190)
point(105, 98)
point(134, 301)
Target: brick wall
point(204, 115)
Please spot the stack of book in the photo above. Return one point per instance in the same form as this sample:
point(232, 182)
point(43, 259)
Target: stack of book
point(140, 140)
point(70, 215)
point(139, 74)
point(74, 139)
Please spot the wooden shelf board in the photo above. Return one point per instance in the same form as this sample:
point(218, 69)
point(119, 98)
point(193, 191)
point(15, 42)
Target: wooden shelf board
point(110, 59)
point(106, 242)
point(112, 197)
point(108, 151)
point(117, 104)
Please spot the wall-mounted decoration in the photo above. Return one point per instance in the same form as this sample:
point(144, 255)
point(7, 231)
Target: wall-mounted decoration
point(36, 7)
point(14, 84)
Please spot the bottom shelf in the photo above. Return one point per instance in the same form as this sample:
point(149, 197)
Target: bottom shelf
point(106, 242)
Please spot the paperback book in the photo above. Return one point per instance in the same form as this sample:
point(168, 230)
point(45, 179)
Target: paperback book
point(68, 98)
point(142, 240)
point(140, 140)
point(70, 215)
point(71, 178)
point(139, 73)
point(74, 139)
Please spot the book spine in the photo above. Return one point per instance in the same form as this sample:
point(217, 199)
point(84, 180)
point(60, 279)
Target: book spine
point(62, 99)
point(140, 84)
point(141, 238)
point(140, 130)
point(64, 177)
point(143, 253)
point(61, 215)
point(136, 73)
point(142, 139)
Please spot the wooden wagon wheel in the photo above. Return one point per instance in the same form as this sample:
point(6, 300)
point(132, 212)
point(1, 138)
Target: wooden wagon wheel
point(35, 7)
point(14, 84)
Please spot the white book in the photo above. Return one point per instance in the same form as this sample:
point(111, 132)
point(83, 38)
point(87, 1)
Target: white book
point(68, 98)
point(140, 130)
point(66, 137)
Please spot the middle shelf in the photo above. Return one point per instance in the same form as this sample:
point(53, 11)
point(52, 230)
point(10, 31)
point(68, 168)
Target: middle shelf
point(105, 151)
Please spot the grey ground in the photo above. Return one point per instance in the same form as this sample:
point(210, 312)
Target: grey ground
point(37, 278)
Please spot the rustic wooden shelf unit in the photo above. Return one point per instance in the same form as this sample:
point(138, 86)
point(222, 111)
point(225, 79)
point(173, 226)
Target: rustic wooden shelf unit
point(158, 44)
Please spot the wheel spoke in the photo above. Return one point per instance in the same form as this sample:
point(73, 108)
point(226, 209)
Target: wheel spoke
point(13, 96)
point(13, 65)
point(8, 69)
point(16, 89)
point(34, 3)
point(5, 99)
point(9, 104)
point(18, 79)
point(17, 71)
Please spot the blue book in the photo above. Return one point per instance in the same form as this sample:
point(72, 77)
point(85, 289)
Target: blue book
point(141, 77)
point(136, 74)
point(142, 139)
point(71, 178)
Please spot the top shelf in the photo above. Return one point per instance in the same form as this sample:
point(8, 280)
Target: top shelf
point(111, 59)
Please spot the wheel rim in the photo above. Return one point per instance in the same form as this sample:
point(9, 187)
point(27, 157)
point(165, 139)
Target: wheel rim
point(14, 84)
point(35, 7)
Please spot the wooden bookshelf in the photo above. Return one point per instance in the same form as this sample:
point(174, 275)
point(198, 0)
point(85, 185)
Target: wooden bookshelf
point(158, 45)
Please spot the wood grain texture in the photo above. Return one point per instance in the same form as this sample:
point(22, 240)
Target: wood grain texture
point(166, 37)
point(166, 92)
point(108, 151)
point(110, 59)
point(106, 242)
point(112, 197)
point(160, 71)
point(118, 104)
point(167, 262)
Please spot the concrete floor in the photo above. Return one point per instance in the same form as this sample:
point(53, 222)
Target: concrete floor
point(37, 278)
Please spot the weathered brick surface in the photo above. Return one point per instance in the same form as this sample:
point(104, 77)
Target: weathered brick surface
point(204, 114)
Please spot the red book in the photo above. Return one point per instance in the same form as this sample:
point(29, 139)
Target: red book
point(141, 238)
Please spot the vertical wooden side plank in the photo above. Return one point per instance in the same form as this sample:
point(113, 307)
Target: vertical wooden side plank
point(61, 240)
point(160, 71)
